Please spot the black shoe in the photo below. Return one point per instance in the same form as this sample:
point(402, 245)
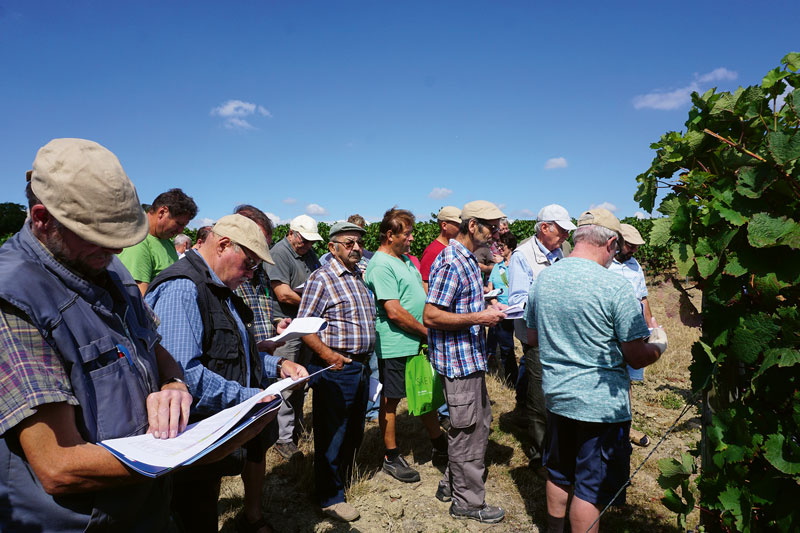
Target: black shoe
point(485, 515)
point(443, 493)
point(398, 468)
point(445, 423)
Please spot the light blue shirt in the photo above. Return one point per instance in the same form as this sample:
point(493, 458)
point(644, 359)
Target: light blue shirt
point(520, 273)
point(583, 313)
point(632, 271)
point(181, 329)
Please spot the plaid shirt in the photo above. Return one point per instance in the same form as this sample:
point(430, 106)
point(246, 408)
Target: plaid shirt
point(255, 294)
point(31, 372)
point(340, 297)
point(456, 285)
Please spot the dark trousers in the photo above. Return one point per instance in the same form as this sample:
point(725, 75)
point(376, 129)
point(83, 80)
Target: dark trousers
point(339, 405)
point(534, 406)
point(522, 385)
point(504, 332)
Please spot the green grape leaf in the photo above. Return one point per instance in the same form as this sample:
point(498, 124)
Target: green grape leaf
point(706, 266)
point(684, 258)
point(732, 501)
point(783, 357)
point(731, 215)
point(773, 76)
point(782, 455)
point(764, 230)
point(660, 232)
point(754, 333)
point(792, 61)
point(673, 502)
point(669, 205)
point(783, 147)
point(732, 265)
point(752, 182)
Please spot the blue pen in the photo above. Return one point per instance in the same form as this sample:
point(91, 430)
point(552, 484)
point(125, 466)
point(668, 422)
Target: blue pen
point(123, 352)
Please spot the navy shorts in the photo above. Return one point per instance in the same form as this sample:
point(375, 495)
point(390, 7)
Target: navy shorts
point(592, 457)
point(392, 372)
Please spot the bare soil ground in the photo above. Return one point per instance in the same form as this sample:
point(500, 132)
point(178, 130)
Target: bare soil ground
point(391, 506)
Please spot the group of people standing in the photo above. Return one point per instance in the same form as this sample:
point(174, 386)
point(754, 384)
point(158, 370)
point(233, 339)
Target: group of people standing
point(103, 278)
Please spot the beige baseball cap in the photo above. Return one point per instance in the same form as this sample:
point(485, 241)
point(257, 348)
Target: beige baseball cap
point(305, 226)
point(82, 184)
point(481, 209)
point(244, 232)
point(449, 213)
point(600, 217)
point(631, 235)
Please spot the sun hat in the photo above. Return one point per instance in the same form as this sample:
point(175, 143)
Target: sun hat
point(631, 235)
point(481, 209)
point(600, 217)
point(556, 213)
point(244, 232)
point(305, 226)
point(83, 185)
point(449, 213)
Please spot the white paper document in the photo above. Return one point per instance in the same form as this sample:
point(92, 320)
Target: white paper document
point(514, 312)
point(300, 327)
point(153, 457)
point(493, 294)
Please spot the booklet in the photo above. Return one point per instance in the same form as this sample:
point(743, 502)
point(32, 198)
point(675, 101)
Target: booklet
point(300, 327)
point(154, 457)
point(513, 312)
point(493, 293)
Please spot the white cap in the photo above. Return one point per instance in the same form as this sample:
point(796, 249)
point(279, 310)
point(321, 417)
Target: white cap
point(556, 213)
point(305, 226)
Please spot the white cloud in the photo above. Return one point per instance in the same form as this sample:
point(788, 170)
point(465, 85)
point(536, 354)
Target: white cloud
point(605, 205)
point(640, 215)
point(555, 162)
point(289, 201)
point(779, 101)
point(234, 112)
point(316, 210)
point(664, 100)
point(525, 214)
point(718, 74)
point(439, 193)
point(204, 222)
point(501, 206)
point(276, 220)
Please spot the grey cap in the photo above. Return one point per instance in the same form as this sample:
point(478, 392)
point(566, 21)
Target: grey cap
point(342, 226)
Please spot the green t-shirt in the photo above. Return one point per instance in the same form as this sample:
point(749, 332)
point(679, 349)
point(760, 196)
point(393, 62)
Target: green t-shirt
point(145, 260)
point(390, 278)
point(583, 313)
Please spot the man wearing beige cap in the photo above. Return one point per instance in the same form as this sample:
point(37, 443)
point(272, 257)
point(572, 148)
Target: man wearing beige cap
point(587, 324)
point(208, 329)
point(628, 267)
point(295, 260)
point(455, 315)
point(81, 360)
point(449, 218)
point(553, 225)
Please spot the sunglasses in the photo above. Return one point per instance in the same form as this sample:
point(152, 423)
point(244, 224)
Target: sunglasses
point(350, 243)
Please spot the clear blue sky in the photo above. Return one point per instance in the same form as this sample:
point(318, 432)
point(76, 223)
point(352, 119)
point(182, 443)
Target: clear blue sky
point(335, 107)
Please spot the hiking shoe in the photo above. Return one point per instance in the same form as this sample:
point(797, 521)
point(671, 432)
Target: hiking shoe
point(287, 450)
point(398, 468)
point(439, 458)
point(485, 515)
point(639, 438)
point(443, 493)
point(341, 511)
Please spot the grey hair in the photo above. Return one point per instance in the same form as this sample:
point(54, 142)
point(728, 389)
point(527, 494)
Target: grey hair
point(182, 238)
point(594, 235)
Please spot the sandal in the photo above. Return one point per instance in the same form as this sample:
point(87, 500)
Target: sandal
point(245, 526)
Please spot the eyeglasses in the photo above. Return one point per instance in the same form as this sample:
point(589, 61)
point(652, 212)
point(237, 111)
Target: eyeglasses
point(493, 228)
point(349, 243)
point(249, 262)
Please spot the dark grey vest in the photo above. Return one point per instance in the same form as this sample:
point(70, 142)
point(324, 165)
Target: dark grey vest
point(84, 323)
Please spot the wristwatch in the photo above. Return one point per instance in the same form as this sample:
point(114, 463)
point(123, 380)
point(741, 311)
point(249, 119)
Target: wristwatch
point(279, 365)
point(175, 380)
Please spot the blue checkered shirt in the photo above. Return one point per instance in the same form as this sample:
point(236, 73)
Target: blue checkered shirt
point(456, 285)
point(181, 328)
point(340, 297)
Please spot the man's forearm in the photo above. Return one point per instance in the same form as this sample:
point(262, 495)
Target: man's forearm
point(436, 318)
point(400, 316)
point(285, 294)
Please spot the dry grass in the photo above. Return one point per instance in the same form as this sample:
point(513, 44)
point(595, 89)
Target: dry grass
point(388, 505)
